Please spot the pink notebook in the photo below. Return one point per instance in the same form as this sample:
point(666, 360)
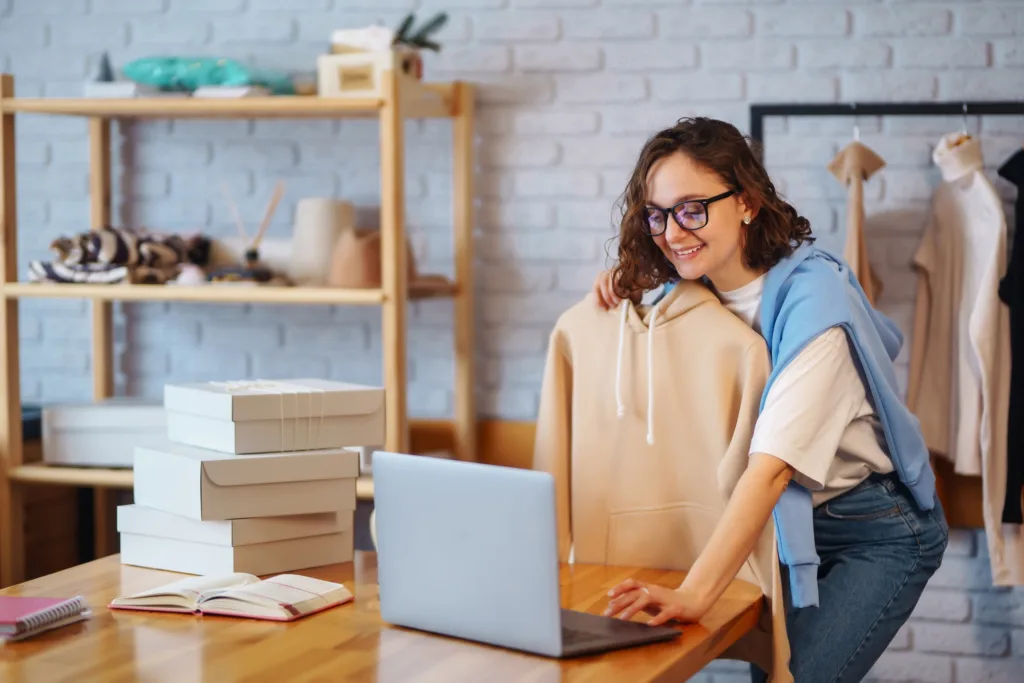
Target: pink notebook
point(280, 598)
point(24, 617)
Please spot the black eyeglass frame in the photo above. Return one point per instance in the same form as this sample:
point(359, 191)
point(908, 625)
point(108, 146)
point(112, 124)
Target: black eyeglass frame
point(665, 213)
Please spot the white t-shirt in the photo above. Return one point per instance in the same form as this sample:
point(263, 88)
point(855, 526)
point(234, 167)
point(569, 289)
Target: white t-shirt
point(817, 417)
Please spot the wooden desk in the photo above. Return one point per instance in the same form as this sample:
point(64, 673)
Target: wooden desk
point(346, 643)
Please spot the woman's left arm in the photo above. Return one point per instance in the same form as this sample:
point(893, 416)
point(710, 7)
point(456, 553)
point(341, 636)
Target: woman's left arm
point(734, 538)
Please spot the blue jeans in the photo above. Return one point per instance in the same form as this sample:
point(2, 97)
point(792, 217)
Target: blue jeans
point(877, 550)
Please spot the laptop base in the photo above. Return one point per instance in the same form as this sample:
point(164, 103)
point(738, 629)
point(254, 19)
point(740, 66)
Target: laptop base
point(586, 634)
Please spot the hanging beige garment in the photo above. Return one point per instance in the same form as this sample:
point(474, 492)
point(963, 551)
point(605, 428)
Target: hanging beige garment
point(854, 164)
point(959, 376)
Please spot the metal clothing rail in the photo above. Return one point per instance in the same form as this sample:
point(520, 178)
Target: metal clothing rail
point(758, 112)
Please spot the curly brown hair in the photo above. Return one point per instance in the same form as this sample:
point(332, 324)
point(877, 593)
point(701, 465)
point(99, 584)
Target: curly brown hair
point(777, 228)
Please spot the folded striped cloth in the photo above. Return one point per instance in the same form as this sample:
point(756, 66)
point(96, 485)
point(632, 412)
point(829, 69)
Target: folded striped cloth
point(97, 273)
point(111, 255)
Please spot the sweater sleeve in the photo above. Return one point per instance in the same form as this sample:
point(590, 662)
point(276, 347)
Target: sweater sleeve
point(552, 446)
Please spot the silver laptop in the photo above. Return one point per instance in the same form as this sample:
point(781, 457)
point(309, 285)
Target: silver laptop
point(470, 550)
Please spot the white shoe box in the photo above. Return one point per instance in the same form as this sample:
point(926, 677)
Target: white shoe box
point(263, 545)
point(203, 484)
point(261, 559)
point(265, 416)
point(101, 434)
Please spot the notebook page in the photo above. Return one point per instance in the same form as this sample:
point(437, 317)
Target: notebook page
point(289, 594)
point(186, 591)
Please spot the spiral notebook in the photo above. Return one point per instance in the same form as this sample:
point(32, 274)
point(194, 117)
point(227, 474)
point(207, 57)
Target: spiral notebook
point(24, 617)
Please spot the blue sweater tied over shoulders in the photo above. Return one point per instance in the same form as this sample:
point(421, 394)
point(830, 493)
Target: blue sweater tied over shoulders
point(806, 294)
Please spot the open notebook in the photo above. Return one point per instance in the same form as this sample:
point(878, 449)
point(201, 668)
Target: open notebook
point(280, 598)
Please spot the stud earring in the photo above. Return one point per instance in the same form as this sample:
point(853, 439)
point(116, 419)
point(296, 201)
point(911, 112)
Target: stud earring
point(746, 220)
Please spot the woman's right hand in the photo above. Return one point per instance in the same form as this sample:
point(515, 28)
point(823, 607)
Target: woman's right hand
point(605, 293)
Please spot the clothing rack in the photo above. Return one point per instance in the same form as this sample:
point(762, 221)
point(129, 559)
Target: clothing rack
point(758, 112)
point(961, 495)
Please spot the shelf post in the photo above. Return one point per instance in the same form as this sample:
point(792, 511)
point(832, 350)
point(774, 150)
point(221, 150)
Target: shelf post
point(12, 525)
point(102, 316)
point(462, 213)
point(394, 276)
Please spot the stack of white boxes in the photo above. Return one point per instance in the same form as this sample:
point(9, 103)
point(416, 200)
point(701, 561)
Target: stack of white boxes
point(256, 477)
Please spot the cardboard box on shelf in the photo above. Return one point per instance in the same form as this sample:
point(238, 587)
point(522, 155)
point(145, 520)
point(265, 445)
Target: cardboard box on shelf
point(100, 434)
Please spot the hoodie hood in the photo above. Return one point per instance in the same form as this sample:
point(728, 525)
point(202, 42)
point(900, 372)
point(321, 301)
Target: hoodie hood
point(676, 299)
point(645, 319)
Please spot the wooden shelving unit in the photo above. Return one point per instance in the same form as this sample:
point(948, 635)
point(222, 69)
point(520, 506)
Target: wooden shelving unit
point(402, 98)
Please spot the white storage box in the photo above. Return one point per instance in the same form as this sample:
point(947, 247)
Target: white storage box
point(101, 434)
point(136, 519)
point(203, 484)
point(273, 416)
point(260, 545)
point(261, 559)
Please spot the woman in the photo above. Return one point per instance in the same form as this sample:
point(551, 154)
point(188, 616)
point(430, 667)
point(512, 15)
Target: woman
point(836, 458)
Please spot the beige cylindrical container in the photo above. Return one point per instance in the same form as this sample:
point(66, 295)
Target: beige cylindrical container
point(319, 223)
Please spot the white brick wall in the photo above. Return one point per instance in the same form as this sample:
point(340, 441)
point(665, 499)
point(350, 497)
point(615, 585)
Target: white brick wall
point(568, 91)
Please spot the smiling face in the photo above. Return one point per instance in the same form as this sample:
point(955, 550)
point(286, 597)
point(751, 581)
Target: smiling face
point(702, 158)
point(714, 250)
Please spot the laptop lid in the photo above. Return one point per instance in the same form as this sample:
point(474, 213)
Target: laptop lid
point(468, 550)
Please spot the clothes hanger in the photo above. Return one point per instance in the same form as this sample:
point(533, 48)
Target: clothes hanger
point(964, 136)
point(856, 131)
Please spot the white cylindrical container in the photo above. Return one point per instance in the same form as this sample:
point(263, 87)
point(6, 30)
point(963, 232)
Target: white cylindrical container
point(319, 222)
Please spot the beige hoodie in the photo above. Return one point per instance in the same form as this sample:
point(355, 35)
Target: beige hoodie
point(645, 421)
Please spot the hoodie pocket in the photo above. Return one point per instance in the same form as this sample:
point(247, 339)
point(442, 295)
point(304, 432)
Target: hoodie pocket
point(665, 537)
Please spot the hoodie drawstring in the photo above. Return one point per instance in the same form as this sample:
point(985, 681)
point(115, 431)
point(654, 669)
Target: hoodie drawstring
point(620, 405)
point(618, 359)
point(650, 378)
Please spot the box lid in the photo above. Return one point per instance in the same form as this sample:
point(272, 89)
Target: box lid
point(231, 532)
point(123, 413)
point(273, 399)
point(228, 469)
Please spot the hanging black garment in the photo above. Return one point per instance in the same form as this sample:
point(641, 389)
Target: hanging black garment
point(1011, 291)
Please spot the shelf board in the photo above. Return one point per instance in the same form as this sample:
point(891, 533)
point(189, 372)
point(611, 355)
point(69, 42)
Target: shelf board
point(187, 107)
point(420, 100)
point(115, 478)
point(73, 476)
point(221, 293)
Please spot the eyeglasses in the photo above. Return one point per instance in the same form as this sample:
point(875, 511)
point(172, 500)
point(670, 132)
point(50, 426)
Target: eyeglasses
point(690, 214)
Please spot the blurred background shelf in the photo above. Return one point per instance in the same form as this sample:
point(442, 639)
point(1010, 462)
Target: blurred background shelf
point(402, 97)
point(114, 478)
point(222, 293)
